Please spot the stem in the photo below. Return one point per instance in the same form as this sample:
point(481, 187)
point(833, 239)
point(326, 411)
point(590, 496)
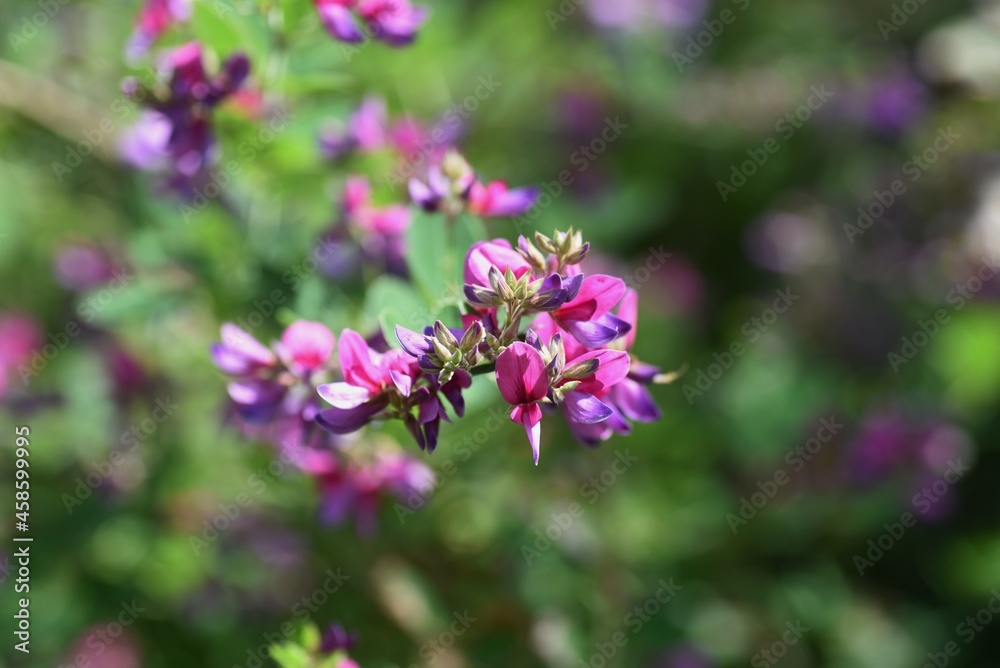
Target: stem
point(483, 369)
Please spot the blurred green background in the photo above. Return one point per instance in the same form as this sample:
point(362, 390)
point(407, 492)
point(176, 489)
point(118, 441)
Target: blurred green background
point(694, 106)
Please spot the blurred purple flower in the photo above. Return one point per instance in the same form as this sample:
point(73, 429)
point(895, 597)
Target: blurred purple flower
point(187, 108)
point(394, 22)
point(337, 638)
point(354, 490)
point(81, 267)
point(639, 15)
point(895, 101)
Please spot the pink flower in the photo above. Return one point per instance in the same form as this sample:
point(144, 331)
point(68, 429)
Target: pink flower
point(368, 375)
point(497, 200)
point(155, 18)
point(308, 345)
point(388, 221)
point(588, 315)
point(497, 253)
point(19, 336)
point(523, 382)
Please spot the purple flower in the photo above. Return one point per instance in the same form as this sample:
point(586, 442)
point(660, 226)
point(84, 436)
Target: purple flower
point(83, 267)
point(366, 130)
point(355, 489)
point(19, 337)
point(187, 107)
point(394, 22)
point(370, 378)
point(447, 185)
point(338, 19)
point(588, 315)
point(497, 200)
point(337, 638)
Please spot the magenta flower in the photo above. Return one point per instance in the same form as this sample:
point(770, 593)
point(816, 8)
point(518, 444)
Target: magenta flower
point(588, 315)
point(155, 18)
point(370, 379)
point(338, 19)
point(498, 253)
point(388, 221)
point(630, 397)
point(20, 336)
point(523, 382)
point(356, 489)
point(307, 346)
point(496, 200)
point(394, 22)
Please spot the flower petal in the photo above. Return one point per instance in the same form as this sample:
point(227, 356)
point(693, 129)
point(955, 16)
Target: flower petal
point(598, 295)
point(402, 382)
point(356, 362)
point(339, 22)
point(530, 417)
point(585, 408)
point(345, 421)
point(413, 342)
point(589, 333)
point(242, 343)
point(521, 374)
point(634, 401)
point(343, 395)
point(614, 366)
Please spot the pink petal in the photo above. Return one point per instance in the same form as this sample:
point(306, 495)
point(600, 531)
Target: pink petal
point(356, 362)
point(521, 374)
point(530, 417)
point(497, 253)
point(597, 296)
point(309, 344)
point(628, 310)
point(614, 365)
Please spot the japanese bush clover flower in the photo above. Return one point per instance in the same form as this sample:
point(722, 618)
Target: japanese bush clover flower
point(553, 337)
point(394, 22)
point(530, 373)
point(176, 133)
point(451, 186)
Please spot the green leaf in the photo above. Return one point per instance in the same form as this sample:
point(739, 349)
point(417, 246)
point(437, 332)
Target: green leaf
point(290, 656)
point(393, 302)
point(310, 637)
point(427, 254)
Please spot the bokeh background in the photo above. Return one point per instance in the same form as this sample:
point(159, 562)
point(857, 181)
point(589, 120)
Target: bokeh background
point(903, 413)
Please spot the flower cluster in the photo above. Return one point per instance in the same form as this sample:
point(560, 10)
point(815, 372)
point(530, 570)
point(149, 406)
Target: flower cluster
point(573, 356)
point(273, 391)
point(394, 22)
point(175, 134)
